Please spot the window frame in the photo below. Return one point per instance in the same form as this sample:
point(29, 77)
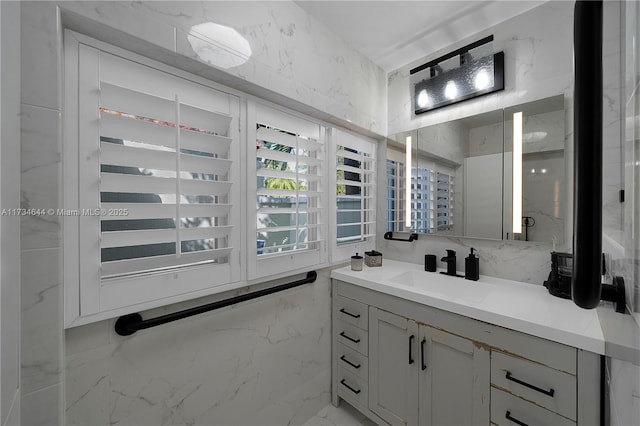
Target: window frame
point(247, 269)
point(90, 300)
point(261, 266)
point(342, 252)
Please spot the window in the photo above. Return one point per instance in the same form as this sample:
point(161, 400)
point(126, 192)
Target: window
point(157, 192)
point(355, 197)
point(289, 173)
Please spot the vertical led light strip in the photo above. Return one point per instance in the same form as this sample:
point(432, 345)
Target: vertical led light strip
point(517, 173)
point(407, 185)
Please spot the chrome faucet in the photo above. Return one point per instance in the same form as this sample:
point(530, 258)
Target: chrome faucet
point(450, 258)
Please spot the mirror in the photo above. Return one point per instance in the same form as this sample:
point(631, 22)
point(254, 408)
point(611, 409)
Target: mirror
point(462, 175)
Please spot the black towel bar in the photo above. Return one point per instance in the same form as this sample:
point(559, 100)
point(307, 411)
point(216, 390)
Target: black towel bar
point(389, 236)
point(129, 324)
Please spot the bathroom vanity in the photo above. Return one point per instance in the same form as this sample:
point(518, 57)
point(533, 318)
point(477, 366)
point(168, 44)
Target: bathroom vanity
point(413, 347)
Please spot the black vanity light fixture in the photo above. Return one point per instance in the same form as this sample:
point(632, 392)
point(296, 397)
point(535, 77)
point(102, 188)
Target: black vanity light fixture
point(471, 71)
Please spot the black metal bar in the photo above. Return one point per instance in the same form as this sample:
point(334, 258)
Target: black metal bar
point(549, 392)
point(456, 52)
point(129, 324)
point(343, 383)
point(349, 313)
point(587, 187)
point(342, 333)
point(344, 358)
point(508, 416)
point(389, 236)
point(424, 366)
point(410, 348)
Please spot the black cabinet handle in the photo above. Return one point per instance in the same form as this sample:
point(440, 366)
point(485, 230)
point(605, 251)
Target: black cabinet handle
point(549, 392)
point(343, 383)
point(349, 338)
point(349, 313)
point(424, 366)
point(410, 348)
point(508, 416)
point(349, 362)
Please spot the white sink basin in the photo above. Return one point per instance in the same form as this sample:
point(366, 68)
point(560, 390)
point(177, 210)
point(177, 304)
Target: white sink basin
point(452, 288)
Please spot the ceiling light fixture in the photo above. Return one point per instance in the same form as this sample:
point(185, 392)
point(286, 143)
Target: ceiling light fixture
point(471, 71)
point(219, 45)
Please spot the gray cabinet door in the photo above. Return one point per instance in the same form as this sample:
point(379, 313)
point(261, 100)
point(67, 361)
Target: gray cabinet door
point(454, 379)
point(393, 367)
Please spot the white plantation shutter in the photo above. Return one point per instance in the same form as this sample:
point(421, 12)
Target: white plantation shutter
point(289, 175)
point(156, 170)
point(355, 193)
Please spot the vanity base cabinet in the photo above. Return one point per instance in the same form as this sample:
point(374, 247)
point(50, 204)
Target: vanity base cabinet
point(454, 379)
point(393, 372)
point(421, 375)
point(424, 366)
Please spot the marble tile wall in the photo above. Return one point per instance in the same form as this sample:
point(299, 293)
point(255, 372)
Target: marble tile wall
point(293, 55)
point(10, 224)
point(42, 341)
point(264, 363)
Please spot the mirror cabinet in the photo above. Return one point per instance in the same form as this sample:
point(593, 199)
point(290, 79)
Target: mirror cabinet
point(496, 175)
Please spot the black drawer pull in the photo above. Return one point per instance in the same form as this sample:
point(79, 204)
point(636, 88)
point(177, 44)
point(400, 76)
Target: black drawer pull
point(410, 348)
point(343, 383)
point(349, 338)
point(349, 362)
point(349, 313)
point(424, 365)
point(549, 392)
point(513, 419)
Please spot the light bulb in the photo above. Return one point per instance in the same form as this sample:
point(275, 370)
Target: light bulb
point(423, 98)
point(482, 79)
point(451, 90)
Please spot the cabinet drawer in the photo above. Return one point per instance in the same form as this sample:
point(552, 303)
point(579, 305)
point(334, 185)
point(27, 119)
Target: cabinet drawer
point(534, 382)
point(353, 362)
point(508, 410)
point(352, 337)
point(352, 388)
point(352, 311)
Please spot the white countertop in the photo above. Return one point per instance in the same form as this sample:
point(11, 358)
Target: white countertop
point(527, 308)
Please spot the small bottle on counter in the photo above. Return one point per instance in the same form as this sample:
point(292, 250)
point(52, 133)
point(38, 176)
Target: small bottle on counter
point(472, 267)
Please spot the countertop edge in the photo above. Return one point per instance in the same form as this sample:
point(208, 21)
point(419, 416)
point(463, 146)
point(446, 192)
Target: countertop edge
point(621, 334)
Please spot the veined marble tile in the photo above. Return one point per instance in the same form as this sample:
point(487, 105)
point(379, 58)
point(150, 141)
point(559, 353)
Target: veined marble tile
point(40, 74)
point(232, 366)
point(39, 408)
point(41, 319)
point(514, 260)
point(127, 18)
point(40, 180)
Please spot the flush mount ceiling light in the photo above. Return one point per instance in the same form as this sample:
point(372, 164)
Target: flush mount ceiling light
point(471, 71)
point(219, 45)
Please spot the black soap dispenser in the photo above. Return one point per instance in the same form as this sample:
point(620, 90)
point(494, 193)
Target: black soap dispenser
point(472, 267)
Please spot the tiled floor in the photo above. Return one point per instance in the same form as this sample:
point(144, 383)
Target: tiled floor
point(345, 415)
